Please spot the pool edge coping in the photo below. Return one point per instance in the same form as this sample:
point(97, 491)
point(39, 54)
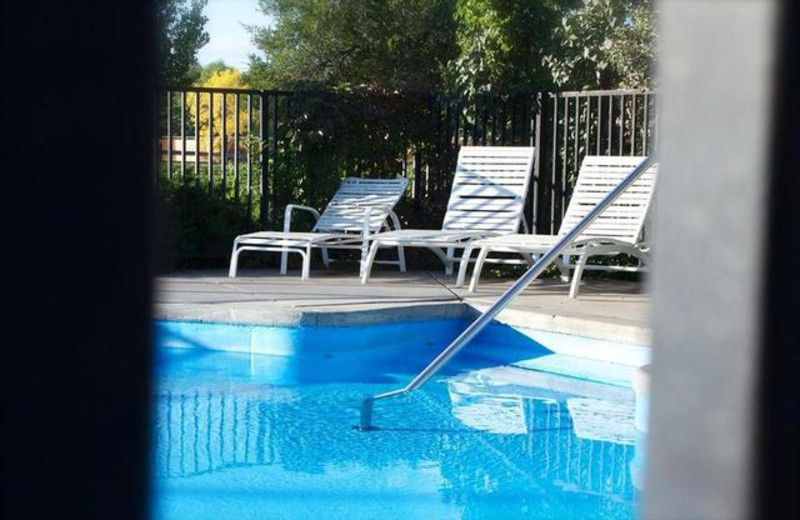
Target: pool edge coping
point(248, 313)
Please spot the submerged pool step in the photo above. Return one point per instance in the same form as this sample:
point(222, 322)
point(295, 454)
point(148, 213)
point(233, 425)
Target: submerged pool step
point(495, 400)
point(523, 382)
point(581, 368)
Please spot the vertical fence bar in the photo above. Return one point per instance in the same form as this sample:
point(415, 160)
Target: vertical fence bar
point(263, 212)
point(621, 122)
point(461, 121)
point(157, 147)
point(514, 112)
point(609, 136)
point(223, 147)
point(494, 127)
point(565, 152)
point(169, 134)
point(588, 112)
point(474, 129)
point(286, 149)
point(536, 142)
point(444, 141)
point(554, 163)
point(249, 142)
point(183, 136)
point(275, 170)
point(476, 136)
point(197, 139)
point(463, 115)
point(503, 115)
point(459, 128)
point(210, 143)
point(236, 147)
point(512, 120)
point(646, 126)
point(417, 177)
point(575, 153)
point(599, 123)
point(633, 125)
point(524, 113)
point(485, 121)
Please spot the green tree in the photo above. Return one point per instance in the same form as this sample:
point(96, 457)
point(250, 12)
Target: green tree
point(181, 34)
point(387, 44)
point(605, 44)
point(502, 44)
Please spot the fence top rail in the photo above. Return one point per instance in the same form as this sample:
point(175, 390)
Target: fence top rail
point(223, 90)
point(591, 93)
point(566, 94)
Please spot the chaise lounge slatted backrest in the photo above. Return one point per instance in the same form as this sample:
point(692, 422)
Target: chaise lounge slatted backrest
point(489, 189)
point(624, 219)
point(345, 211)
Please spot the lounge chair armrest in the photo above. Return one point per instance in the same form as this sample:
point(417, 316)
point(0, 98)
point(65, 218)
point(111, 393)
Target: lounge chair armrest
point(395, 220)
point(287, 216)
point(368, 218)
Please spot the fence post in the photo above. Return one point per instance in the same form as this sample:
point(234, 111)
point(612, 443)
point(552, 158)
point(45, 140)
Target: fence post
point(264, 167)
point(275, 171)
point(536, 137)
point(157, 144)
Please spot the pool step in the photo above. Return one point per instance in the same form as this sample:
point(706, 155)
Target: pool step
point(581, 368)
point(525, 382)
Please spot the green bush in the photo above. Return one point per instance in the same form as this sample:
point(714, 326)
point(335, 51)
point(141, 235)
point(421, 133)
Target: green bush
point(198, 228)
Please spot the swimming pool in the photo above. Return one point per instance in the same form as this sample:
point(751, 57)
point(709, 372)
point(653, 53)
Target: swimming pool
point(257, 422)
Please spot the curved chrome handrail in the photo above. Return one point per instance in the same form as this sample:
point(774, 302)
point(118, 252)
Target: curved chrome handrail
point(489, 314)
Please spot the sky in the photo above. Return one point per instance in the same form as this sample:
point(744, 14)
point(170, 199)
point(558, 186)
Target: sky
point(228, 40)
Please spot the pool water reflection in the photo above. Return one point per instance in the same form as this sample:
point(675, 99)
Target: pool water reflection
point(236, 437)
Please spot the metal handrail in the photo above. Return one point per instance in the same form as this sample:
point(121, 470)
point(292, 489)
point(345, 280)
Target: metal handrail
point(489, 314)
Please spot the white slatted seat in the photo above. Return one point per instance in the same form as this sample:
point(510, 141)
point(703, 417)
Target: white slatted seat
point(487, 198)
point(616, 230)
point(358, 210)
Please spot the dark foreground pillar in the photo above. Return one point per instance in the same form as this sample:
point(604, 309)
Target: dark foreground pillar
point(726, 280)
point(76, 171)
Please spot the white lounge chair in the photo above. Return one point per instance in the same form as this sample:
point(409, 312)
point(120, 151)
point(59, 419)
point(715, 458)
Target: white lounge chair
point(360, 208)
point(616, 230)
point(487, 198)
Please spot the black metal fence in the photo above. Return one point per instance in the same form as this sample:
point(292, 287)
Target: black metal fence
point(259, 150)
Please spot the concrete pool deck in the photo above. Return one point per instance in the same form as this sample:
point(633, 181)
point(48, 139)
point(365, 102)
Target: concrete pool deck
point(611, 310)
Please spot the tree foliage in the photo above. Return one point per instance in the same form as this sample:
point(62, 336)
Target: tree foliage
point(181, 34)
point(502, 44)
point(385, 44)
point(605, 44)
point(205, 73)
point(219, 75)
point(470, 46)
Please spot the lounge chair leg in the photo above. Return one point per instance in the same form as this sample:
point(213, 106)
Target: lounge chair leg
point(476, 271)
point(576, 276)
point(234, 261)
point(326, 259)
point(401, 258)
point(563, 266)
point(529, 258)
point(463, 265)
point(284, 260)
point(306, 263)
point(448, 264)
point(366, 263)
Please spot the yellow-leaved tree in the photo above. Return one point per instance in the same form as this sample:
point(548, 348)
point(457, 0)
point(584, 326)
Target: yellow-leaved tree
point(222, 78)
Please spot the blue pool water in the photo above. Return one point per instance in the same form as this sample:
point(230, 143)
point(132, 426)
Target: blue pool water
point(241, 435)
